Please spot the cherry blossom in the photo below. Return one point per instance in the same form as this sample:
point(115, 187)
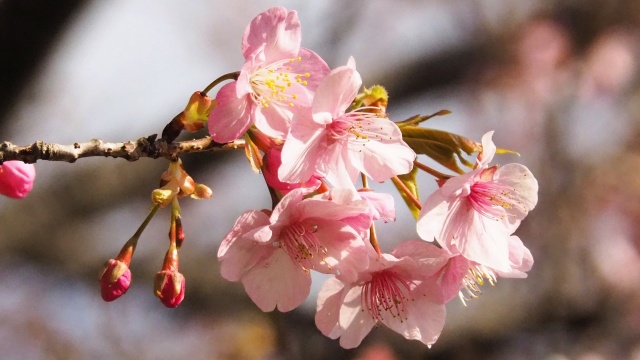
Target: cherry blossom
point(16, 179)
point(272, 255)
point(277, 78)
point(339, 145)
point(475, 214)
point(394, 291)
point(460, 277)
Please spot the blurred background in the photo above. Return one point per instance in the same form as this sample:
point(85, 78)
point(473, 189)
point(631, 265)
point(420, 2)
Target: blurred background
point(557, 80)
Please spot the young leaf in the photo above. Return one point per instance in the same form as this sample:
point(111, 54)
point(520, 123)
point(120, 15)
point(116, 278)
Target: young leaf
point(409, 180)
point(417, 119)
point(444, 147)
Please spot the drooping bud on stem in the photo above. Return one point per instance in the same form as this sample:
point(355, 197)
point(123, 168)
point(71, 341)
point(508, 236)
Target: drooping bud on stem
point(115, 276)
point(169, 284)
point(115, 279)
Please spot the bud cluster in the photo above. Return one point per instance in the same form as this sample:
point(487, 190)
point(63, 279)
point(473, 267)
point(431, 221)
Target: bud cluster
point(169, 283)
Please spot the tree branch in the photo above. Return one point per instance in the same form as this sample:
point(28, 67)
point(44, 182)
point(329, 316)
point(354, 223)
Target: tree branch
point(148, 147)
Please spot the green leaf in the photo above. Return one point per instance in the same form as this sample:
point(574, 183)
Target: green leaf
point(444, 147)
point(505, 151)
point(417, 119)
point(409, 180)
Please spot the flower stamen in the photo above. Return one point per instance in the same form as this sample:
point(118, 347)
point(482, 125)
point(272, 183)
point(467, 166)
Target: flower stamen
point(386, 292)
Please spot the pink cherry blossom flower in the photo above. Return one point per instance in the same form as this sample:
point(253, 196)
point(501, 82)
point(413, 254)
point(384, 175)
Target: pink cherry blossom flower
point(272, 255)
point(16, 179)
point(277, 78)
point(393, 291)
point(475, 214)
point(338, 144)
point(460, 277)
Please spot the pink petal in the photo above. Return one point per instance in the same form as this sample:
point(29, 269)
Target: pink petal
point(273, 121)
point(238, 252)
point(382, 205)
point(330, 300)
point(520, 258)
point(354, 322)
point(277, 282)
point(337, 168)
point(486, 242)
point(382, 160)
point(335, 94)
point(346, 252)
point(450, 281)
point(525, 188)
point(430, 258)
point(277, 30)
point(303, 148)
point(330, 210)
point(230, 118)
point(424, 320)
point(488, 151)
point(432, 216)
point(287, 207)
point(312, 64)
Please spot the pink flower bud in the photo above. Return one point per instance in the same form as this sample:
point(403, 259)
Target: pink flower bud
point(169, 287)
point(115, 279)
point(16, 179)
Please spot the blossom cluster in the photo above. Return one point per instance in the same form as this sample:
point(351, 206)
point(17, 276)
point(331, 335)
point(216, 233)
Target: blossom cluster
point(322, 141)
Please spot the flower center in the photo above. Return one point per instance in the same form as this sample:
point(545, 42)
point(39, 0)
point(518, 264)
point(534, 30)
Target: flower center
point(474, 279)
point(273, 83)
point(301, 244)
point(357, 126)
point(386, 292)
point(490, 198)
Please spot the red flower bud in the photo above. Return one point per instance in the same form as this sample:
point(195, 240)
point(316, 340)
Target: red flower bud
point(115, 279)
point(169, 287)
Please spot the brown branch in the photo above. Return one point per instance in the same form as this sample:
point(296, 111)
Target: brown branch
point(148, 147)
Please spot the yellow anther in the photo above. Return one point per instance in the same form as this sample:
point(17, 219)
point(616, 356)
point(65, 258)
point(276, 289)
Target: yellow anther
point(291, 104)
point(307, 74)
point(294, 95)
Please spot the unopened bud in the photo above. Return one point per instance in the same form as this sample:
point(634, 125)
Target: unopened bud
point(115, 279)
point(168, 286)
point(196, 113)
point(162, 197)
point(202, 192)
point(187, 186)
point(371, 98)
point(16, 179)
